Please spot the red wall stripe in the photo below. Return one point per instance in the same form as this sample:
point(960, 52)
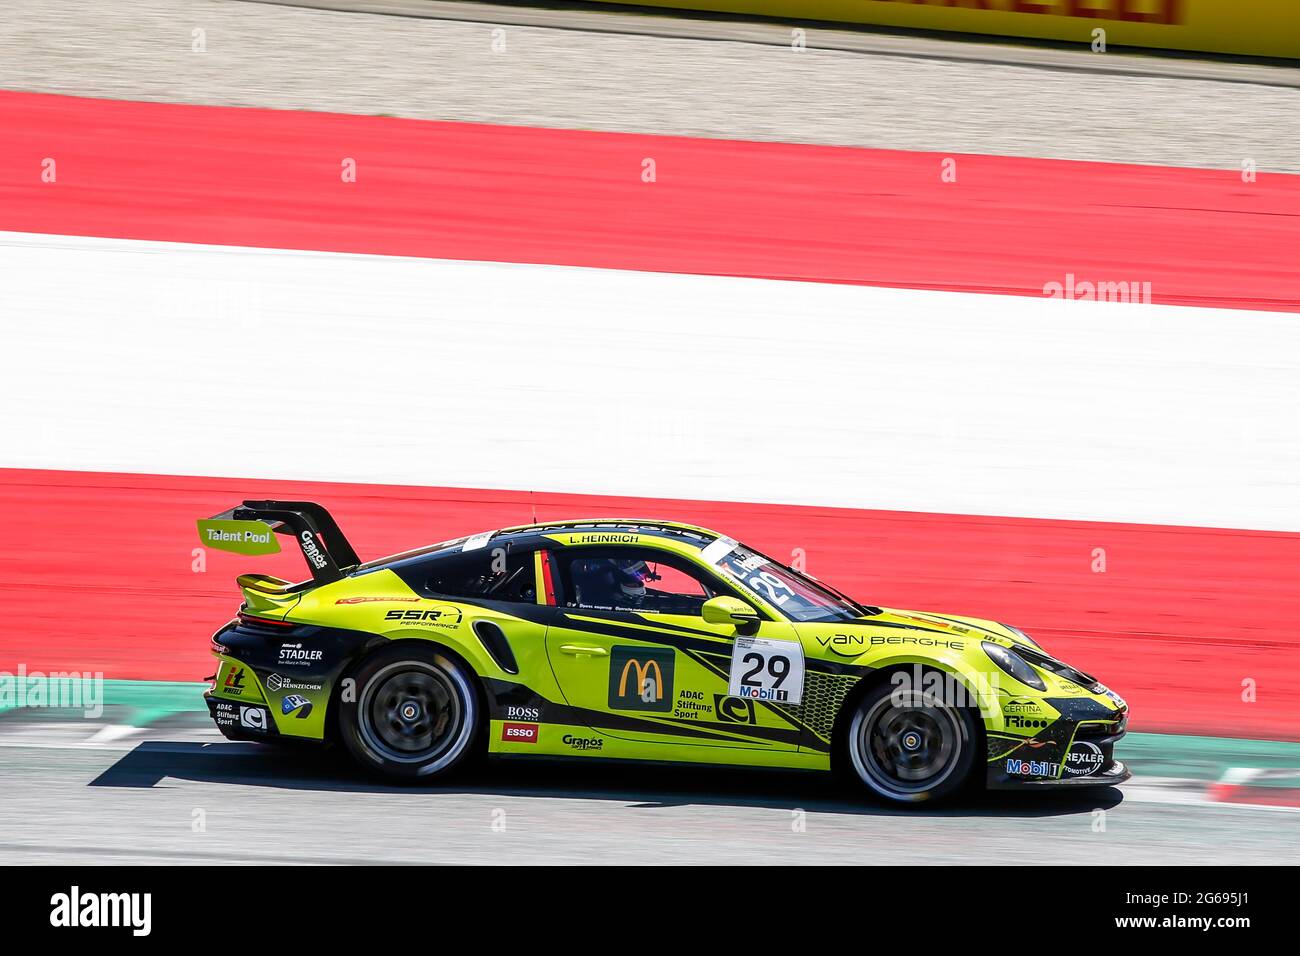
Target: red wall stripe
point(447, 190)
point(96, 575)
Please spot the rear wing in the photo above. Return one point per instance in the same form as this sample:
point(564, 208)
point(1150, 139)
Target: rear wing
point(251, 528)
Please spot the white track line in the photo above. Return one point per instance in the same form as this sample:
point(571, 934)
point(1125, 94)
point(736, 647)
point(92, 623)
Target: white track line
point(183, 359)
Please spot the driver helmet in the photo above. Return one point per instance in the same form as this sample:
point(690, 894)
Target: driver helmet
point(631, 576)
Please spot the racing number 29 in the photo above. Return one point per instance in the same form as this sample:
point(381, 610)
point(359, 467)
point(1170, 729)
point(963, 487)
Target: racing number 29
point(776, 665)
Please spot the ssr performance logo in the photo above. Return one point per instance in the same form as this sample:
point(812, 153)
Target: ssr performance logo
point(432, 617)
point(76, 909)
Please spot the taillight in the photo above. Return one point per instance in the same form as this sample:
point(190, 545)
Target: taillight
point(253, 619)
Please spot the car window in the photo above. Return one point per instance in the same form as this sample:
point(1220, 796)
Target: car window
point(795, 595)
point(494, 574)
point(633, 579)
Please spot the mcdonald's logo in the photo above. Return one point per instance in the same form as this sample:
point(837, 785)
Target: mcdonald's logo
point(641, 678)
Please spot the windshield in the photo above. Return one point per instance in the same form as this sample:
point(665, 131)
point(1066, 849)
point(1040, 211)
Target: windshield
point(796, 595)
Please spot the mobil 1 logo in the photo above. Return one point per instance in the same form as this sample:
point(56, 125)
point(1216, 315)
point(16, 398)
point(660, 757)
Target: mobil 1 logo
point(763, 669)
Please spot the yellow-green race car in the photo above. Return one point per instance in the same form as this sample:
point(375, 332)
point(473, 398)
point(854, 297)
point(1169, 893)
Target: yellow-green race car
point(640, 640)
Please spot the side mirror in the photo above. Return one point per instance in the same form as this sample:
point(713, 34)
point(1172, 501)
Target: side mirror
point(730, 610)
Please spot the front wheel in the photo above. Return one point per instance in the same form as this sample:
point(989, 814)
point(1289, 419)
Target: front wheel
point(416, 713)
point(910, 746)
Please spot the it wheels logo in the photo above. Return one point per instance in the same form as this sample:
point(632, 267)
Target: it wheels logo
point(641, 678)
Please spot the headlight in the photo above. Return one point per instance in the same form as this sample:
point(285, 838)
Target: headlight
point(1013, 664)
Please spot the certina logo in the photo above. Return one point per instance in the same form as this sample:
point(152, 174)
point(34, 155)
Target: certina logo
point(1022, 705)
point(519, 733)
point(524, 713)
point(297, 654)
point(77, 909)
point(1030, 768)
point(583, 743)
point(314, 553)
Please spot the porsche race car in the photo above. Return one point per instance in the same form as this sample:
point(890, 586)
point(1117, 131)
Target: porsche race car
point(641, 640)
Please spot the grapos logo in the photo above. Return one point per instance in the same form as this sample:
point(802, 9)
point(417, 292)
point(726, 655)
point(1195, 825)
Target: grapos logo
point(76, 909)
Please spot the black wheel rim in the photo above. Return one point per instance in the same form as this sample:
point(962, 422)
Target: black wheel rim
point(411, 712)
point(911, 745)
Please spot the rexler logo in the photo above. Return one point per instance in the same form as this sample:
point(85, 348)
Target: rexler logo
point(1083, 759)
point(76, 909)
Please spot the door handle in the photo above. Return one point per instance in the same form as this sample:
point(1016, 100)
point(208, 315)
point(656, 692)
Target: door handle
point(584, 650)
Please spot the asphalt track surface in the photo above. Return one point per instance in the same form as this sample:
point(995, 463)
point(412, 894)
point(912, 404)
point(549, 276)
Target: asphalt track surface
point(183, 797)
point(576, 70)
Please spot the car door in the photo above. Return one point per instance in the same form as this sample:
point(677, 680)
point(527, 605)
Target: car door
point(646, 668)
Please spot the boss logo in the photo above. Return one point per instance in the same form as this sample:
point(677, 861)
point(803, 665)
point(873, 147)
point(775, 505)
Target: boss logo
point(524, 713)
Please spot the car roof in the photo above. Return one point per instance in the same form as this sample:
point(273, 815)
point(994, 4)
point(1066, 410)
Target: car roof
point(639, 524)
point(687, 534)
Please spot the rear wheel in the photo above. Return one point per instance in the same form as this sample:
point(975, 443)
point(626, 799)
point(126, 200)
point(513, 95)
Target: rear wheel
point(416, 713)
point(910, 746)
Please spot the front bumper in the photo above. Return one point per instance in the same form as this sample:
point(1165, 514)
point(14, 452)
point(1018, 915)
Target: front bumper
point(1075, 750)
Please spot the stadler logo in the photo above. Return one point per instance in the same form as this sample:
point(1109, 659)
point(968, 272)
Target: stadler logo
point(76, 909)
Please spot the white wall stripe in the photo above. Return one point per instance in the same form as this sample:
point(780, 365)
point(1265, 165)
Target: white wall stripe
point(133, 356)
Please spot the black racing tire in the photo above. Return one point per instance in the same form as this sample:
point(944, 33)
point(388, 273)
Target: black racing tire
point(908, 746)
point(416, 715)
